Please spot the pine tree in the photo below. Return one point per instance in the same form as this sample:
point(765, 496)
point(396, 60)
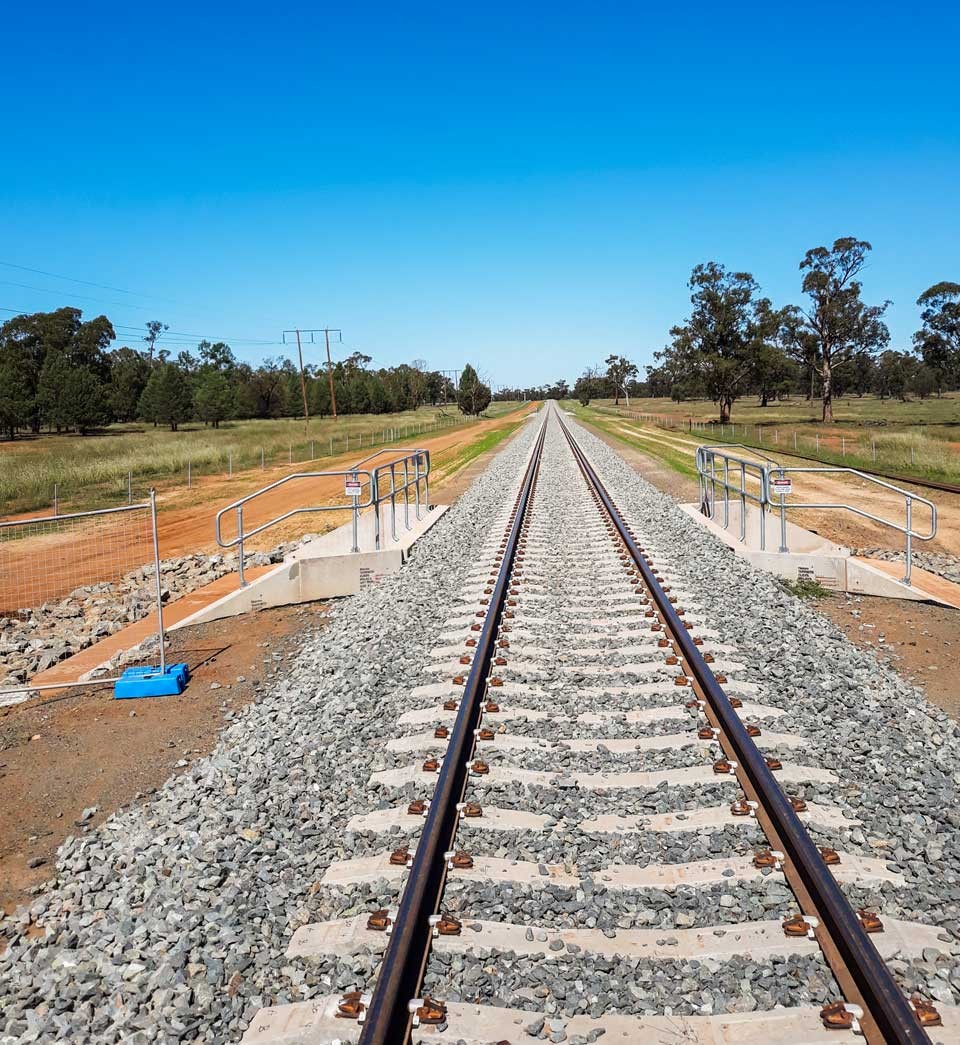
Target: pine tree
point(15, 392)
point(473, 396)
point(166, 399)
point(212, 396)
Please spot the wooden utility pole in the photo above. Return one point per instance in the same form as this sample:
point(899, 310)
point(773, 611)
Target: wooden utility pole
point(333, 395)
point(303, 385)
point(326, 331)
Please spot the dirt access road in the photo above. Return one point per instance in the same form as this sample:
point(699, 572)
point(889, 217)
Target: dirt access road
point(49, 565)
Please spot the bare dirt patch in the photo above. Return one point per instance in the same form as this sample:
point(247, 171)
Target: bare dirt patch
point(83, 749)
point(921, 641)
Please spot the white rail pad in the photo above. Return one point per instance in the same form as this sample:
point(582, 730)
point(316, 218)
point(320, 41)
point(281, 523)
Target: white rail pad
point(345, 937)
point(706, 819)
point(502, 776)
point(315, 1023)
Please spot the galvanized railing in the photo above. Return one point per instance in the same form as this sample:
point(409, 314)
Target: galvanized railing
point(364, 487)
point(775, 486)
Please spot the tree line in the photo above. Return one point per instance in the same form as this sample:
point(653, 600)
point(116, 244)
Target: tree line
point(737, 343)
point(58, 373)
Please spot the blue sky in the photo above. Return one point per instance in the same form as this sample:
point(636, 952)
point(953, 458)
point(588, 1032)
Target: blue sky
point(525, 187)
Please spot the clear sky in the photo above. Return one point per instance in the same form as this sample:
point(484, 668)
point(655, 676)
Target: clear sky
point(523, 186)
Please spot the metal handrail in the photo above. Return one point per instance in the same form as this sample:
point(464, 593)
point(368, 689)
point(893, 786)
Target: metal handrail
point(418, 460)
point(706, 459)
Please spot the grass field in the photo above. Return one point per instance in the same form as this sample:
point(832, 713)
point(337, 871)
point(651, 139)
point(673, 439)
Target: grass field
point(917, 438)
point(92, 471)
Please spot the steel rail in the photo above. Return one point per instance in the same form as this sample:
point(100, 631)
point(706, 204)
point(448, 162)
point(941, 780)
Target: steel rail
point(388, 1018)
point(887, 1015)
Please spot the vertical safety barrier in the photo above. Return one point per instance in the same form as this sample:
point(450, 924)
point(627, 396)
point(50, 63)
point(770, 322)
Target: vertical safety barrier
point(103, 556)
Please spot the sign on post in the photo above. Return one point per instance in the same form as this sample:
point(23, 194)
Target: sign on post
point(352, 487)
point(781, 485)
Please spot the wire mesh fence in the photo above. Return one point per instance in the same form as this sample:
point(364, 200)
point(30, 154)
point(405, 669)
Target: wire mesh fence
point(63, 571)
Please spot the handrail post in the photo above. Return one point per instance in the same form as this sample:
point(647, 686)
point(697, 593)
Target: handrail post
point(426, 481)
point(726, 491)
point(406, 494)
point(243, 580)
point(416, 484)
point(906, 579)
point(764, 498)
point(375, 497)
point(783, 518)
point(356, 520)
point(743, 502)
point(393, 501)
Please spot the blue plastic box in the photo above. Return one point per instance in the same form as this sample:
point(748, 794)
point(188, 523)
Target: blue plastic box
point(151, 682)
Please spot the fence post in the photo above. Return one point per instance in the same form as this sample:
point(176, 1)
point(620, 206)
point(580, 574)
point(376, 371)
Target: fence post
point(230, 463)
point(794, 440)
point(56, 500)
point(331, 446)
point(129, 487)
point(313, 455)
point(243, 580)
point(189, 474)
point(818, 442)
point(843, 445)
point(263, 460)
point(873, 446)
point(156, 566)
point(906, 579)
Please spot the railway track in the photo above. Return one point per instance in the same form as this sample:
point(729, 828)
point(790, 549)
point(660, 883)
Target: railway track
point(582, 785)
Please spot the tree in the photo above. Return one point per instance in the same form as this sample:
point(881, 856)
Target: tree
point(837, 324)
point(129, 374)
point(923, 383)
point(773, 372)
point(938, 340)
point(728, 330)
point(212, 396)
point(473, 396)
point(890, 376)
point(619, 370)
point(154, 329)
point(15, 391)
point(166, 399)
point(84, 403)
point(51, 401)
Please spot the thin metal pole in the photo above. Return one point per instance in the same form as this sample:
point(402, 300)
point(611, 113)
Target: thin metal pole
point(243, 579)
point(416, 483)
point(356, 521)
point(375, 495)
point(406, 494)
point(331, 446)
point(290, 454)
point(843, 445)
point(743, 501)
point(230, 463)
point(783, 518)
point(189, 474)
point(393, 500)
point(726, 492)
point(263, 459)
point(906, 579)
point(818, 442)
point(313, 454)
point(56, 500)
point(156, 566)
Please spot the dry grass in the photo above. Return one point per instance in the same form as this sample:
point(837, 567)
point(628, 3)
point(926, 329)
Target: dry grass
point(93, 471)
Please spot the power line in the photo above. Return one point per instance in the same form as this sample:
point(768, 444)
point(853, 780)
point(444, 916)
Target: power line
point(85, 282)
